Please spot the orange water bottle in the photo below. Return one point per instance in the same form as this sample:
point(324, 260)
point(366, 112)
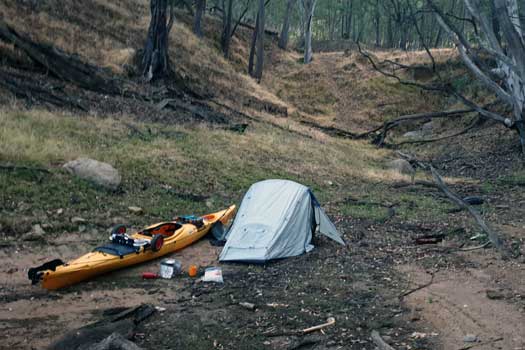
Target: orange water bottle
point(192, 270)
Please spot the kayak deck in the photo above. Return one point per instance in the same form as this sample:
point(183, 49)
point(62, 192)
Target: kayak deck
point(110, 257)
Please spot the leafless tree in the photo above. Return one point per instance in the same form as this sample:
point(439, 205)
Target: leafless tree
point(507, 80)
point(309, 9)
point(283, 38)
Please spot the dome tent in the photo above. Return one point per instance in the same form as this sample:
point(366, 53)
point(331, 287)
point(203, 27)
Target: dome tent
point(276, 220)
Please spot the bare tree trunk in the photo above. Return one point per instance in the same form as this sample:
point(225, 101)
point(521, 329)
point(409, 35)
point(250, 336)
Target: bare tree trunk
point(377, 24)
point(283, 38)
point(260, 43)
point(251, 60)
point(309, 8)
point(227, 15)
point(199, 14)
point(155, 60)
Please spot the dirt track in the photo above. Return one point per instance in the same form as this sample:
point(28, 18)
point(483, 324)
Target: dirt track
point(359, 286)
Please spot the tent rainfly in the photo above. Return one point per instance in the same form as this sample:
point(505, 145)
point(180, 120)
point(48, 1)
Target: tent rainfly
point(276, 220)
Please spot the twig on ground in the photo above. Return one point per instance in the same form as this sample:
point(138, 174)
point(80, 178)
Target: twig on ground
point(480, 344)
point(329, 322)
point(476, 247)
point(461, 132)
point(379, 342)
point(495, 239)
point(19, 167)
point(408, 292)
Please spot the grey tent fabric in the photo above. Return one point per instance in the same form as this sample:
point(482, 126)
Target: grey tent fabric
point(276, 220)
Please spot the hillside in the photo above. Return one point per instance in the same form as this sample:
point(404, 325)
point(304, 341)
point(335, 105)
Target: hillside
point(195, 143)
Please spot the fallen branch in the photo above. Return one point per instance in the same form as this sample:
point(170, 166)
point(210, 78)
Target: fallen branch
point(380, 140)
point(408, 292)
point(476, 247)
point(495, 239)
point(480, 344)
point(114, 342)
point(379, 342)
point(329, 322)
point(19, 167)
point(464, 131)
point(22, 87)
point(66, 67)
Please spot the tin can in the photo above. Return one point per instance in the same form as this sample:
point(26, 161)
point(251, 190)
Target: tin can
point(169, 268)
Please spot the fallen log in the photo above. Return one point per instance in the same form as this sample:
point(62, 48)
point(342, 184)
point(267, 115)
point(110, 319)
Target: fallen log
point(123, 324)
point(379, 342)
point(33, 93)
point(114, 342)
point(66, 67)
point(388, 125)
point(494, 238)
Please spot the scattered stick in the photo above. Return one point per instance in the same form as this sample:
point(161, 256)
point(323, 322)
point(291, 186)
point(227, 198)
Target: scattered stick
point(19, 167)
point(388, 125)
point(429, 239)
point(476, 247)
point(464, 131)
point(379, 342)
point(495, 239)
point(480, 344)
point(329, 322)
point(418, 288)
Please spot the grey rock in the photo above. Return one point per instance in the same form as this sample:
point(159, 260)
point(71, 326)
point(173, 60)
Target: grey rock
point(401, 166)
point(77, 220)
point(470, 338)
point(37, 233)
point(136, 210)
point(99, 173)
point(417, 134)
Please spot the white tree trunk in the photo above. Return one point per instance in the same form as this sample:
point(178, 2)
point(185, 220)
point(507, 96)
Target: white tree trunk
point(309, 9)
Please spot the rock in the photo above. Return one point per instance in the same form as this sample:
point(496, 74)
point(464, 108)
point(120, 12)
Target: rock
point(136, 210)
point(473, 200)
point(401, 166)
point(60, 211)
point(99, 173)
point(428, 127)
point(77, 220)
point(248, 306)
point(495, 295)
point(47, 226)
point(470, 338)
point(37, 233)
point(329, 183)
point(117, 220)
point(209, 203)
point(417, 134)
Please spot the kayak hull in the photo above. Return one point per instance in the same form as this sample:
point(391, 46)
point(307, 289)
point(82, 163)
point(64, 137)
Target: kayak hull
point(97, 263)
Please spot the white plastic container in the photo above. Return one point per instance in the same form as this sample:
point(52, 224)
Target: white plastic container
point(169, 268)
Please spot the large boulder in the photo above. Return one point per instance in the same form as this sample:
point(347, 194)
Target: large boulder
point(99, 173)
point(401, 166)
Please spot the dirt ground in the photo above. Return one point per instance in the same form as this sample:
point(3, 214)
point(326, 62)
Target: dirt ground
point(416, 296)
point(362, 286)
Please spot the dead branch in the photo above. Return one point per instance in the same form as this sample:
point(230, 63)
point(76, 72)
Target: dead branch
point(380, 140)
point(329, 322)
point(476, 247)
point(418, 288)
point(379, 342)
point(18, 167)
point(60, 64)
point(333, 131)
point(114, 342)
point(480, 344)
point(461, 132)
point(495, 239)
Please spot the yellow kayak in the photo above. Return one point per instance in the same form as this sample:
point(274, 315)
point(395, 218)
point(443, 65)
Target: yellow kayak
point(125, 250)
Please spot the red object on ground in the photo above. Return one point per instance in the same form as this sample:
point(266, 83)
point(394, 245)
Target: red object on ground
point(149, 275)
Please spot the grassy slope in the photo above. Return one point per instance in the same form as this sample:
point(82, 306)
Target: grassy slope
point(169, 169)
